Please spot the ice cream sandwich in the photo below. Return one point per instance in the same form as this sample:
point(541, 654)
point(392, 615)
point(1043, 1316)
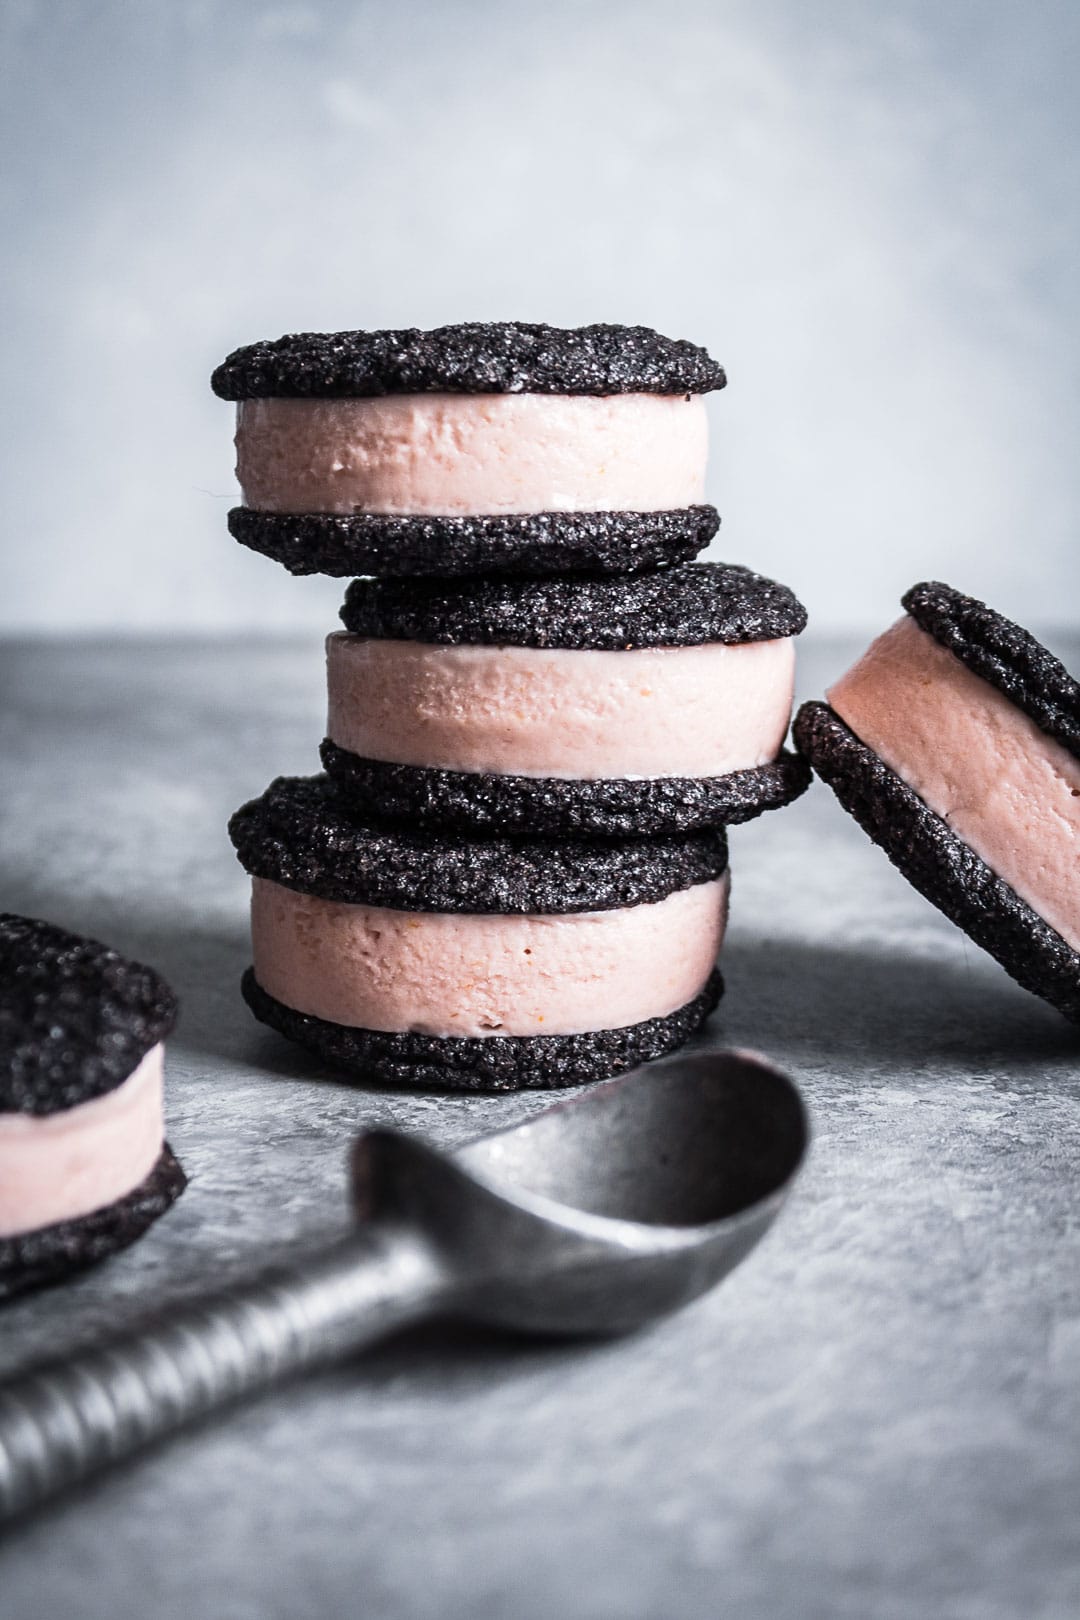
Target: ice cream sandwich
point(630, 705)
point(84, 1167)
point(955, 743)
point(497, 446)
point(493, 964)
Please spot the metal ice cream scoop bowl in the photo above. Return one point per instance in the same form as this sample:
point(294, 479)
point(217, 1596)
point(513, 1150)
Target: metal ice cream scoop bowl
point(594, 1217)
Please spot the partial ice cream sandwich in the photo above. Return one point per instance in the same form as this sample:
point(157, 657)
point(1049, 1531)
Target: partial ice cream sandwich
point(482, 447)
point(955, 743)
point(493, 964)
point(633, 705)
point(84, 1168)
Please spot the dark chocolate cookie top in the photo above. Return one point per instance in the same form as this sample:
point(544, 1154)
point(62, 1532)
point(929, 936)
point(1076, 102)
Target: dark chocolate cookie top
point(476, 357)
point(1005, 655)
point(76, 1018)
point(302, 834)
point(677, 607)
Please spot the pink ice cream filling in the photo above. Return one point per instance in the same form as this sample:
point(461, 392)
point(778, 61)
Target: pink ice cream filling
point(453, 454)
point(57, 1167)
point(571, 713)
point(1011, 793)
point(459, 974)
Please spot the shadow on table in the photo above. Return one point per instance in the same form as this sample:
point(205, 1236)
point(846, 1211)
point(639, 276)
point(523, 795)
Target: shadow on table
point(838, 1004)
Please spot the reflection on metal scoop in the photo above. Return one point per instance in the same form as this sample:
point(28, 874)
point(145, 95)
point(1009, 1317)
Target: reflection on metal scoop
point(594, 1217)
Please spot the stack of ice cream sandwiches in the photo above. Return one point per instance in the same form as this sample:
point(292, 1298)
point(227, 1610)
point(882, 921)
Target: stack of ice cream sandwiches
point(542, 713)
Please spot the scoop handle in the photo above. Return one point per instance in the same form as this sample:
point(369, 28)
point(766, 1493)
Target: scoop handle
point(66, 1421)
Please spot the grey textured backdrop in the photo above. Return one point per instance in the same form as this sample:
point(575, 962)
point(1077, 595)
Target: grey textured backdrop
point(870, 212)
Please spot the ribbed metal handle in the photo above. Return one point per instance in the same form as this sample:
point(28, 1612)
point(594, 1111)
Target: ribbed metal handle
point(61, 1424)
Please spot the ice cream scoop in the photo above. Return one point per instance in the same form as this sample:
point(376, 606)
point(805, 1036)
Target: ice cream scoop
point(593, 1217)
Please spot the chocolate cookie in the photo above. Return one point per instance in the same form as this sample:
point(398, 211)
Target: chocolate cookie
point(478, 357)
point(525, 543)
point(478, 803)
point(302, 833)
point(678, 607)
point(76, 1017)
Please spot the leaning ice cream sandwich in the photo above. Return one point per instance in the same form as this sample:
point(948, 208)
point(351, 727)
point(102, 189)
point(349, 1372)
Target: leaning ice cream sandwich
point(496, 964)
point(84, 1168)
point(627, 705)
point(955, 743)
point(473, 448)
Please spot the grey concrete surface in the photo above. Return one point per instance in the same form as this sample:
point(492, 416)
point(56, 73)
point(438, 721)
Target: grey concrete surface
point(878, 1415)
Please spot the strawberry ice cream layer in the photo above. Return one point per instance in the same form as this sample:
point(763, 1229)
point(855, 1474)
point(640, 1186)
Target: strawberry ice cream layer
point(561, 712)
point(1010, 792)
point(56, 1167)
point(455, 454)
point(457, 974)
